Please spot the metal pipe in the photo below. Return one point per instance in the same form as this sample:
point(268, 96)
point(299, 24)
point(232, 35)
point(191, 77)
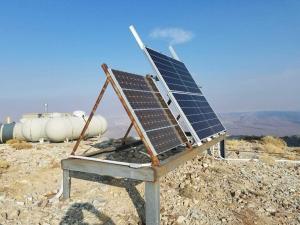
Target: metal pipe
point(173, 53)
point(90, 117)
point(137, 37)
point(126, 134)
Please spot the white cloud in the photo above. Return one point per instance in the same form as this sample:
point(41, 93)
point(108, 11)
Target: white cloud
point(175, 35)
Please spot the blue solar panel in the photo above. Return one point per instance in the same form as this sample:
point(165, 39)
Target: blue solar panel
point(200, 117)
point(174, 73)
point(150, 111)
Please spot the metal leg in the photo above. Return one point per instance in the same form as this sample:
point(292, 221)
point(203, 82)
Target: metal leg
point(222, 148)
point(209, 151)
point(87, 123)
point(66, 184)
point(152, 203)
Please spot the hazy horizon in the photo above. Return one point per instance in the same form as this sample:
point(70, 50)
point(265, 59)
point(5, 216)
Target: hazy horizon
point(245, 55)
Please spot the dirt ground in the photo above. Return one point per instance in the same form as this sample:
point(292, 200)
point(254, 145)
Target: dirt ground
point(202, 191)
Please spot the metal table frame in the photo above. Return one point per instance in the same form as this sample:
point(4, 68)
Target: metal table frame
point(74, 166)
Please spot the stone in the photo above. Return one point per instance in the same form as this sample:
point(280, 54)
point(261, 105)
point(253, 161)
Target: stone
point(13, 214)
point(99, 202)
point(271, 210)
point(4, 215)
point(2, 196)
point(180, 219)
point(20, 203)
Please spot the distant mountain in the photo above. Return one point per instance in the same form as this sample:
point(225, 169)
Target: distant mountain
point(278, 123)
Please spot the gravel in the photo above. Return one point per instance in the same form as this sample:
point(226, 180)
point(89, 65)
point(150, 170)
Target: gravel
point(202, 191)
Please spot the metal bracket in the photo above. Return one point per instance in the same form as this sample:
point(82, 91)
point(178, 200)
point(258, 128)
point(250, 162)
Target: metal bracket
point(90, 117)
point(126, 134)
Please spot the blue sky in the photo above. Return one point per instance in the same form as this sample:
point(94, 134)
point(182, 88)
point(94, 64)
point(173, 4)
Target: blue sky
point(245, 54)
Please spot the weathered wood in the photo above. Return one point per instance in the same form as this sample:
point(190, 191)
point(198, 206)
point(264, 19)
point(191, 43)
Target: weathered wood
point(66, 184)
point(152, 198)
point(108, 169)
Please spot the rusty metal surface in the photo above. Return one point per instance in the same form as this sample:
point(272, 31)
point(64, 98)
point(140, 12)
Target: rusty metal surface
point(126, 134)
point(90, 117)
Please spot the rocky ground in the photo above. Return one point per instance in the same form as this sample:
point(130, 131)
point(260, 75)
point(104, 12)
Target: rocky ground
point(202, 191)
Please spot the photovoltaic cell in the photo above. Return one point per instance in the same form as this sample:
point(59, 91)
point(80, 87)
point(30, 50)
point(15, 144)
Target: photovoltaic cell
point(174, 73)
point(151, 111)
point(200, 116)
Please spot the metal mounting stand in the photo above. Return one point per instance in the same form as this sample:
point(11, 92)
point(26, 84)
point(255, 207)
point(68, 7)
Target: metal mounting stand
point(82, 167)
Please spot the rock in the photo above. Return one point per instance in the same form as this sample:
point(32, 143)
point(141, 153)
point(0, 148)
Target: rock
point(2, 196)
point(271, 210)
point(20, 203)
point(43, 203)
point(98, 203)
point(180, 219)
point(4, 215)
point(13, 214)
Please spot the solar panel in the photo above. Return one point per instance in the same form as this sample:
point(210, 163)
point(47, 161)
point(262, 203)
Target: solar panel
point(155, 119)
point(184, 92)
point(174, 73)
point(199, 113)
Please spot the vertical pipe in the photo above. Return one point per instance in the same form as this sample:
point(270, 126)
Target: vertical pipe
point(152, 197)
point(1, 127)
point(66, 184)
point(137, 37)
point(222, 148)
point(173, 53)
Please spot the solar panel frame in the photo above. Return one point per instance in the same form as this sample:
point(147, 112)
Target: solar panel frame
point(170, 92)
point(137, 119)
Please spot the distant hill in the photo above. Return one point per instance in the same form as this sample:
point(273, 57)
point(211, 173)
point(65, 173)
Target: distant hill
point(278, 123)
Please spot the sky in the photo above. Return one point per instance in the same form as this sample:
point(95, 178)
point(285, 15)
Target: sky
point(245, 54)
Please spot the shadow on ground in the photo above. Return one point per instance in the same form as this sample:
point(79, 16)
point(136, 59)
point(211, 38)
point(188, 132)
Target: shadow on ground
point(75, 215)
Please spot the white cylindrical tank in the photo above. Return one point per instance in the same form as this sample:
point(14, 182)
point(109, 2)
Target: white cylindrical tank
point(79, 113)
point(59, 129)
point(98, 123)
point(34, 129)
point(17, 133)
point(70, 127)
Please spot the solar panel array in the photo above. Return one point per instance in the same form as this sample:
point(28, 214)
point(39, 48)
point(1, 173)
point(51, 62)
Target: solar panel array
point(181, 85)
point(174, 73)
point(150, 110)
